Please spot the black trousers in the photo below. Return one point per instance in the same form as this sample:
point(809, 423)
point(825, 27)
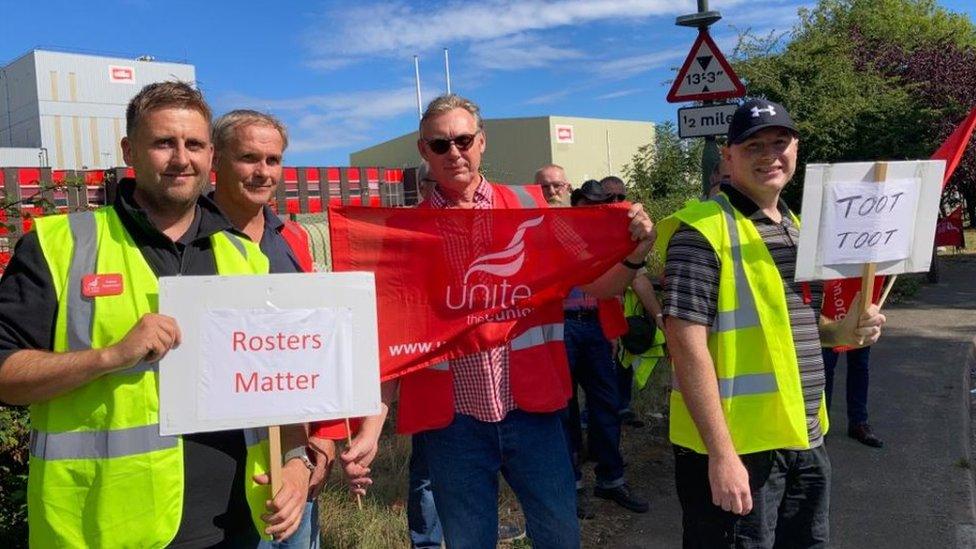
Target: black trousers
point(790, 498)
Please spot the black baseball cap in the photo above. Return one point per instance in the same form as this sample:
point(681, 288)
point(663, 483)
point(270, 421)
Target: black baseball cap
point(758, 114)
point(592, 191)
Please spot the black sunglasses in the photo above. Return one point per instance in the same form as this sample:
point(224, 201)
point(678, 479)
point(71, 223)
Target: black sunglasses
point(462, 142)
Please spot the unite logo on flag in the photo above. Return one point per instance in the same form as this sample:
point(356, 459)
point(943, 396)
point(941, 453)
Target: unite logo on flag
point(503, 295)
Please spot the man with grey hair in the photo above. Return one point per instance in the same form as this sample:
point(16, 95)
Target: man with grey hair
point(552, 179)
point(248, 151)
point(481, 414)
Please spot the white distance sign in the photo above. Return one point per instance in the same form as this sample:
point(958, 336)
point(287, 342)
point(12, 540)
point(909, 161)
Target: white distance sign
point(268, 350)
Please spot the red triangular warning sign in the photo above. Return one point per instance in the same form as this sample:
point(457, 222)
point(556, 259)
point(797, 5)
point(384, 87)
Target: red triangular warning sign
point(705, 74)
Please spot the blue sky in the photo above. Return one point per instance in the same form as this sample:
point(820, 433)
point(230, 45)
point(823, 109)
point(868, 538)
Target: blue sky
point(341, 76)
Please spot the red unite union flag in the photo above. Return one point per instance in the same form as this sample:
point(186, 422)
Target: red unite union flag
point(454, 282)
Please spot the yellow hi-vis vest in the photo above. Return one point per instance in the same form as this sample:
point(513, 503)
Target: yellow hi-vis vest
point(750, 342)
point(644, 363)
point(100, 473)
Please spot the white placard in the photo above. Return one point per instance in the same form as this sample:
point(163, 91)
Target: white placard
point(256, 358)
point(268, 350)
point(830, 189)
point(868, 222)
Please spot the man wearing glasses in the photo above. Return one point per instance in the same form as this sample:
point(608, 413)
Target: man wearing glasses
point(470, 422)
point(555, 188)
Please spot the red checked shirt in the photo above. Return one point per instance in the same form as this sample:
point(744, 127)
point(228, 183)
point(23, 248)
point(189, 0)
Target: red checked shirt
point(481, 380)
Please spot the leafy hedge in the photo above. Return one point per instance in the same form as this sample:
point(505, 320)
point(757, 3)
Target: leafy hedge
point(14, 435)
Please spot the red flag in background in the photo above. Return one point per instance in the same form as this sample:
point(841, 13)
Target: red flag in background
point(954, 146)
point(454, 282)
point(949, 230)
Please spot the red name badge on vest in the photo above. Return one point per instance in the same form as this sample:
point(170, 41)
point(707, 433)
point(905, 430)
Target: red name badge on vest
point(97, 285)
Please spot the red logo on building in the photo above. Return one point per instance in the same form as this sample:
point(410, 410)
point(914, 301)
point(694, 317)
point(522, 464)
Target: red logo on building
point(120, 74)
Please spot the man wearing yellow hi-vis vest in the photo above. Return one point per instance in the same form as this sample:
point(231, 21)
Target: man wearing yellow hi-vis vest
point(747, 410)
point(80, 341)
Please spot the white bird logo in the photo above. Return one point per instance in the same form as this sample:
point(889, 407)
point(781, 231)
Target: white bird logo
point(508, 261)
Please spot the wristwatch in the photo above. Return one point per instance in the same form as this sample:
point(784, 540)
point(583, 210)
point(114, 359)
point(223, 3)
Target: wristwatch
point(299, 452)
point(631, 265)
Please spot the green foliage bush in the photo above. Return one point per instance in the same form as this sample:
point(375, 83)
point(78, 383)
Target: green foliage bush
point(14, 435)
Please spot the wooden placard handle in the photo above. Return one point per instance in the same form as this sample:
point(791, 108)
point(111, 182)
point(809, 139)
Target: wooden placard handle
point(274, 448)
point(359, 499)
point(867, 274)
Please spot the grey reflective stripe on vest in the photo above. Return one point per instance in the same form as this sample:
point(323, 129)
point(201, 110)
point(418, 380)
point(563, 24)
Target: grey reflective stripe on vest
point(525, 199)
point(83, 262)
point(236, 241)
point(81, 314)
point(99, 444)
point(745, 315)
point(538, 335)
point(255, 436)
point(745, 384)
point(140, 368)
point(441, 366)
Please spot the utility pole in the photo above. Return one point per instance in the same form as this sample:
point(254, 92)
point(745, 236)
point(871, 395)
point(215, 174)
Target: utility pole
point(702, 20)
point(447, 71)
point(416, 72)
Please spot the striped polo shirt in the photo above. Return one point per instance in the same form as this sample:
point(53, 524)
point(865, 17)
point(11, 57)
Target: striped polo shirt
point(691, 278)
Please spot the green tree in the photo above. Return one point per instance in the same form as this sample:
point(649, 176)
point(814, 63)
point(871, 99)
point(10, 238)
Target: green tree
point(667, 167)
point(832, 71)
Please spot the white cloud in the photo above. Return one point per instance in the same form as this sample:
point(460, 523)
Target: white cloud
point(626, 67)
point(398, 28)
point(320, 122)
point(547, 98)
point(621, 93)
point(520, 52)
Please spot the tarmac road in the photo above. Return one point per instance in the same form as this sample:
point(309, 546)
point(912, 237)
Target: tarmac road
point(915, 492)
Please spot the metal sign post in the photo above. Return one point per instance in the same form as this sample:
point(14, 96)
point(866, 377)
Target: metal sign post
point(705, 76)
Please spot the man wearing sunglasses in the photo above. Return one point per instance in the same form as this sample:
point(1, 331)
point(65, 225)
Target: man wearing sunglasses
point(490, 430)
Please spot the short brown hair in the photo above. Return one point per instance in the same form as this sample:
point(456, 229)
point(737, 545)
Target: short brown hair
point(162, 95)
point(225, 125)
point(449, 102)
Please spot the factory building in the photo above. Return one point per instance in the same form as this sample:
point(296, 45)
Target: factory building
point(67, 110)
point(588, 148)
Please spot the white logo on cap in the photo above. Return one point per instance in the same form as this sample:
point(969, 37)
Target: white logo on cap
point(770, 110)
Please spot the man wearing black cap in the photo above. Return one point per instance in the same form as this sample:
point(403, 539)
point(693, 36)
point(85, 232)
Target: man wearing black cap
point(747, 410)
point(590, 353)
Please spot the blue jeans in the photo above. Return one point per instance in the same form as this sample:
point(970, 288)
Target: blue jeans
point(857, 381)
point(307, 535)
point(425, 527)
point(594, 370)
point(529, 449)
point(625, 379)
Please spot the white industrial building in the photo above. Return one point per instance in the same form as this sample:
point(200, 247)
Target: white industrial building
point(67, 110)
